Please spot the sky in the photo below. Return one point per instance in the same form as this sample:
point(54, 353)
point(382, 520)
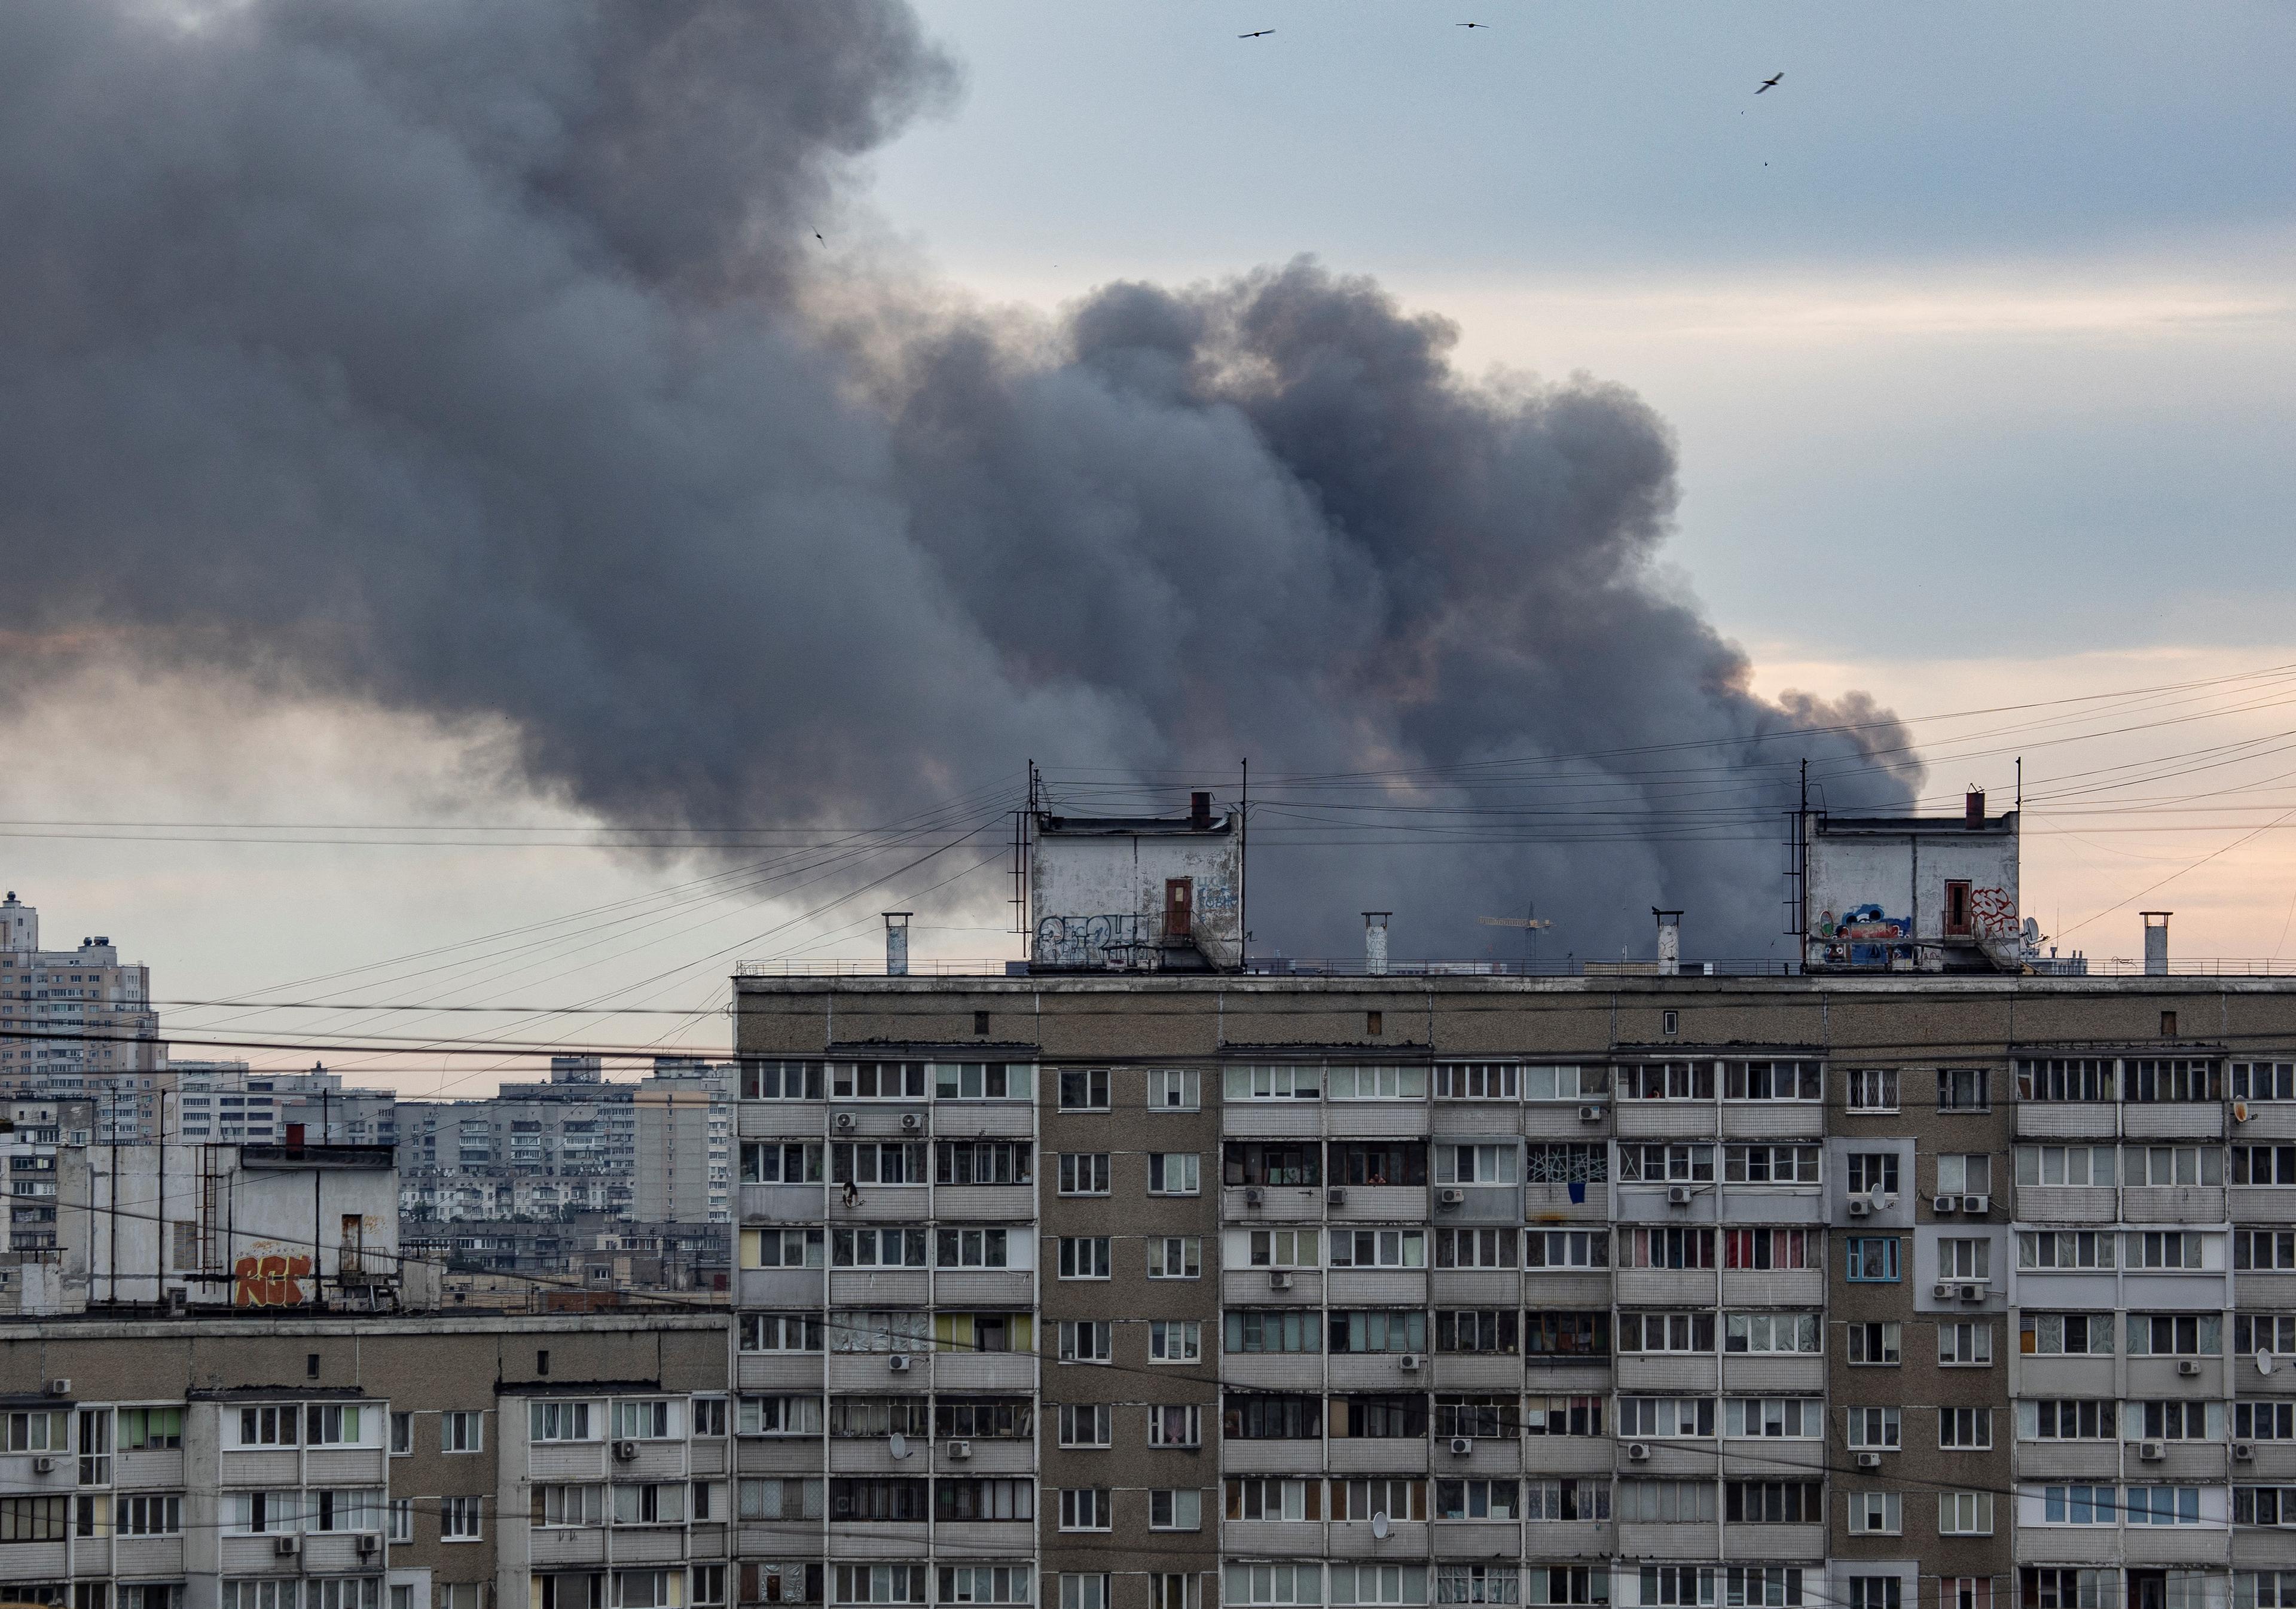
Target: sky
point(1974, 336)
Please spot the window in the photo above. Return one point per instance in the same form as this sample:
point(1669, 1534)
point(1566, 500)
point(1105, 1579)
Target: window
point(1372, 1162)
point(1083, 1089)
point(1001, 1499)
point(1175, 1424)
point(2174, 1165)
point(2173, 1078)
point(1772, 1502)
point(1771, 1082)
point(1872, 1173)
point(2259, 1421)
point(2159, 1249)
point(1379, 1584)
point(1658, 1164)
point(1542, 1248)
point(2264, 1081)
point(1475, 1249)
point(1174, 1089)
point(1667, 1082)
point(35, 1519)
point(1181, 1510)
point(1262, 1585)
point(2176, 1336)
point(1481, 1499)
point(1964, 1344)
point(1478, 1584)
point(980, 1081)
point(781, 1332)
point(1871, 1258)
point(983, 1332)
point(1759, 1333)
point(1766, 1248)
point(1566, 1163)
point(1272, 1162)
point(402, 1516)
point(984, 1163)
point(1965, 1173)
point(458, 1519)
point(558, 1422)
point(1876, 1429)
point(781, 1248)
point(874, 1248)
point(781, 1081)
point(1875, 1592)
point(1962, 1090)
point(1964, 1429)
point(1487, 1418)
point(2067, 1419)
point(1379, 1248)
point(2262, 1505)
point(779, 1416)
point(1275, 1330)
point(1175, 1341)
point(1398, 1500)
point(1666, 1332)
point(1663, 1417)
point(1255, 1416)
point(1875, 1513)
point(2079, 1505)
point(1174, 1173)
point(1387, 1082)
point(877, 1080)
point(1575, 1585)
point(1269, 1498)
point(1966, 1513)
point(1085, 1342)
point(1175, 1256)
point(1962, 1257)
point(1379, 1331)
point(1085, 1424)
point(708, 1584)
point(892, 1499)
point(2066, 1165)
point(1086, 1257)
point(1086, 1508)
point(856, 1330)
point(2180, 1420)
point(258, 1427)
point(775, 1162)
point(1687, 1248)
point(152, 1428)
point(776, 1498)
point(878, 1583)
point(2049, 1334)
point(984, 1419)
point(1786, 1418)
point(2264, 1249)
point(1477, 1164)
point(1491, 1330)
point(1480, 1080)
point(1281, 1083)
point(2260, 1332)
point(1666, 1502)
point(983, 1584)
point(1542, 1416)
point(2067, 1078)
point(878, 1416)
point(651, 1504)
point(2164, 1504)
point(1874, 1344)
point(1380, 1416)
point(972, 1248)
point(1084, 1173)
point(2064, 1249)
point(1770, 1164)
point(645, 1421)
point(148, 1516)
point(1556, 1334)
point(1873, 1089)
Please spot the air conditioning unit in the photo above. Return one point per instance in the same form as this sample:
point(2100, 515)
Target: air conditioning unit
point(1462, 1445)
point(1869, 1460)
point(1279, 1279)
point(2188, 1367)
point(898, 1363)
point(1942, 1290)
point(960, 1450)
point(1972, 1292)
point(910, 1123)
point(286, 1546)
point(844, 1122)
point(44, 1466)
point(625, 1452)
point(840, 1508)
point(1590, 1114)
point(2151, 1452)
point(1677, 1196)
point(1251, 1197)
point(1976, 1203)
point(1450, 1198)
point(1638, 1451)
point(369, 1543)
point(1859, 1206)
point(59, 1388)
point(2243, 1452)
point(1413, 1363)
point(1335, 1198)
point(1945, 1203)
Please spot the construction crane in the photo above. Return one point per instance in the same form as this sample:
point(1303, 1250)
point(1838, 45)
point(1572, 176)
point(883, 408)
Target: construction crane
point(1531, 924)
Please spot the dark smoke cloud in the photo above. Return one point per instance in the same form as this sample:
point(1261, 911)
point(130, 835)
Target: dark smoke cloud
point(455, 359)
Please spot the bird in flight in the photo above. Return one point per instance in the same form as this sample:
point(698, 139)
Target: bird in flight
point(1770, 83)
point(1256, 33)
point(818, 236)
point(1471, 25)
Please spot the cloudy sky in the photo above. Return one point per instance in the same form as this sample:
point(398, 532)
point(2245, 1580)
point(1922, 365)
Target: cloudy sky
point(1975, 339)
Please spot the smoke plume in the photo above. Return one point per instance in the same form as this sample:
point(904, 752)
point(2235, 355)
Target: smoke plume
point(458, 359)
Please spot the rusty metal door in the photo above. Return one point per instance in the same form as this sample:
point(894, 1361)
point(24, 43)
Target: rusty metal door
point(1179, 893)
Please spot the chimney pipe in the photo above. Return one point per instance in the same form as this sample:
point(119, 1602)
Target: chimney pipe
point(1669, 942)
point(1200, 810)
point(1375, 942)
point(897, 944)
point(2156, 943)
point(1972, 810)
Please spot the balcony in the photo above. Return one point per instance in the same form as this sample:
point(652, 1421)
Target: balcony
point(2172, 1203)
point(1666, 1373)
point(1353, 1539)
point(1773, 1288)
point(1646, 1542)
point(1543, 1457)
point(1380, 1204)
point(883, 1205)
point(1378, 1456)
point(1273, 1539)
point(1569, 1538)
point(984, 1287)
point(878, 1287)
point(1255, 1287)
point(1666, 1287)
point(2086, 1204)
point(1255, 1204)
point(780, 1120)
point(1274, 1371)
point(1476, 1539)
point(2173, 1121)
point(1774, 1120)
point(1272, 1119)
point(1667, 1120)
point(1378, 1287)
point(1247, 1458)
point(883, 1539)
point(1478, 1372)
point(1477, 1288)
point(1773, 1375)
point(985, 1372)
point(2068, 1120)
point(2262, 1205)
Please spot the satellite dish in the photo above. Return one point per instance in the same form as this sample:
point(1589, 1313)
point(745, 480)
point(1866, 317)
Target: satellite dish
point(2265, 1361)
point(1379, 1525)
point(900, 1445)
point(2240, 1112)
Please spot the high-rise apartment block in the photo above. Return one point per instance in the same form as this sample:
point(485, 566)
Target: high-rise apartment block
point(1913, 1279)
point(77, 1024)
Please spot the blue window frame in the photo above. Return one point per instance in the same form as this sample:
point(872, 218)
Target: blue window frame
point(1872, 1259)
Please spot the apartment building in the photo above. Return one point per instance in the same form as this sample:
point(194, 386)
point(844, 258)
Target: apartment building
point(213, 1105)
point(1912, 1279)
point(79, 1024)
point(684, 1134)
point(533, 1150)
point(430, 1463)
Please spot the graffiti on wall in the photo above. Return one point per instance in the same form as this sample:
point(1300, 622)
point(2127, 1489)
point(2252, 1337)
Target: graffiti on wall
point(1992, 913)
point(270, 1279)
point(1866, 935)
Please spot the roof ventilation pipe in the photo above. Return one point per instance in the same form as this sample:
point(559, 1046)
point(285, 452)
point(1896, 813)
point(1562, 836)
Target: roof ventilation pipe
point(1972, 810)
point(2156, 943)
point(1669, 942)
point(1200, 811)
point(1375, 942)
point(897, 944)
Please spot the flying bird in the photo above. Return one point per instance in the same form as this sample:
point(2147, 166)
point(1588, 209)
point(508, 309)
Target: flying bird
point(1256, 34)
point(1471, 25)
point(1770, 83)
point(817, 234)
